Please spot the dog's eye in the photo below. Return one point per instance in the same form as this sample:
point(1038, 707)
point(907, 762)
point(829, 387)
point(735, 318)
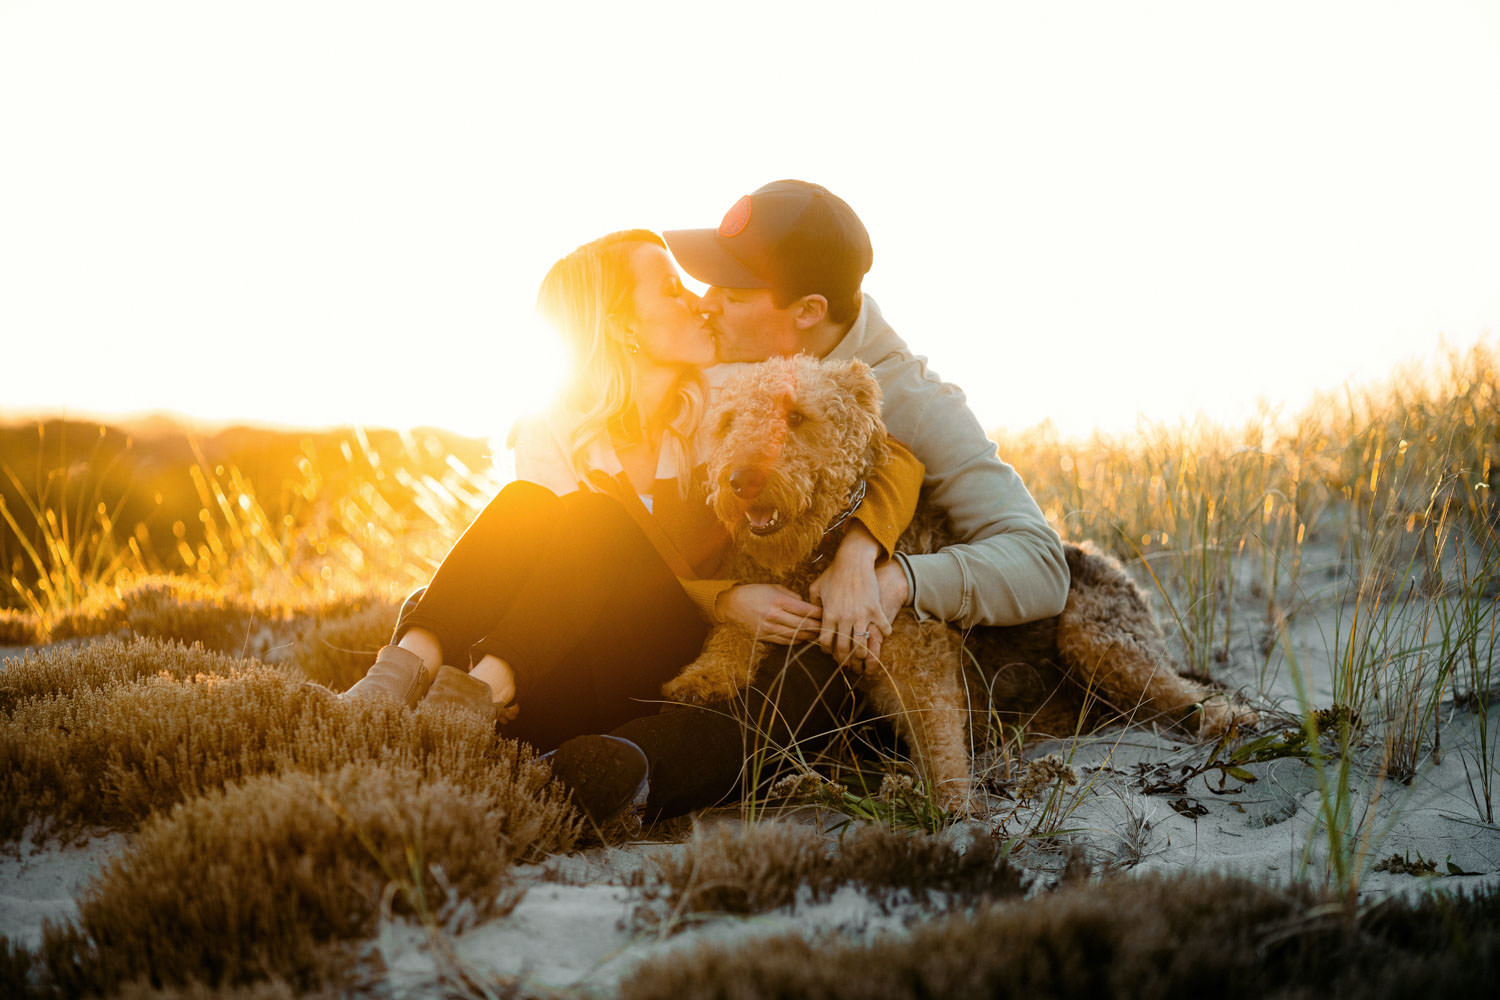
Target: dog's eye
point(795, 418)
point(726, 422)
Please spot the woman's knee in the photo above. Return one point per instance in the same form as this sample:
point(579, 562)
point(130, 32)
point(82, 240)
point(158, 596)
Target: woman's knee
point(602, 522)
point(524, 495)
point(518, 507)
point(590, 507)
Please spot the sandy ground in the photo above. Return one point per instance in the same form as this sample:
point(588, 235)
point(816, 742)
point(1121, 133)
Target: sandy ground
point(37, 884)
point(573, 927)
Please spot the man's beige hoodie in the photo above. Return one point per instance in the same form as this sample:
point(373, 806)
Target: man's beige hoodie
point(1009, 568)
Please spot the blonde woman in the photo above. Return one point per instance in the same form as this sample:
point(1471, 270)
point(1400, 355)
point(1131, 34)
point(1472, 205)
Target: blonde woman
point(585, 585)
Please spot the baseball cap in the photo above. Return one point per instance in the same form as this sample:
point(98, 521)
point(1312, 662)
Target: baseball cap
point(790, 236)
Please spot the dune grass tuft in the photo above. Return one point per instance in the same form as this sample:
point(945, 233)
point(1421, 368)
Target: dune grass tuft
point(116, 748)
point(259, 879)
point(1149, 937)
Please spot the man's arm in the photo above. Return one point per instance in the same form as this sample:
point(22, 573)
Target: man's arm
point(1009, 567)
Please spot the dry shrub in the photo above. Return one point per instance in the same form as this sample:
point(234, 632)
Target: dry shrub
point(336, 647)
point(754, 869)
point(265, 989)
point(111, 755)
point(98, 613)
point(174, 607)
point(924, 865)
point(69, 964)
point(1189, 935)
point(258, 879)
point(336, 629)
point(743, 870)
point(16, 969)
point(66, 670)
point(19, 628)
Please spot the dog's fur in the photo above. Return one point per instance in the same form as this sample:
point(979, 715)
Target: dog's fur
point(789, 442)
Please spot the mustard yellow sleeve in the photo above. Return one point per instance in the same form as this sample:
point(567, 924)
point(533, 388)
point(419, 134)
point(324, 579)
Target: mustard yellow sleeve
point(891, 496)
point(704, 594)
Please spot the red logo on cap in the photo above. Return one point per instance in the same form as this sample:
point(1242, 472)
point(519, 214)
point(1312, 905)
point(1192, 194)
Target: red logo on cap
point(736, 219)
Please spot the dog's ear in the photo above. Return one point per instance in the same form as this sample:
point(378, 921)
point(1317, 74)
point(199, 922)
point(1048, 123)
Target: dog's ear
point(864, 427)
point(855, 379)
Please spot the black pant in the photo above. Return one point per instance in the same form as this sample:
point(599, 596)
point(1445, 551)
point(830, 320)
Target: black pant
point(573, 596)
point(704, 756)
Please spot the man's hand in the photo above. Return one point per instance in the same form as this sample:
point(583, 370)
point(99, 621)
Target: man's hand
point(770, 612)
point(854, 622)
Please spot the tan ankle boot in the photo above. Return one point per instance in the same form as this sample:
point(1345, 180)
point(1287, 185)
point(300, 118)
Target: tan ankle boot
point(455, 689)
point(395, 676)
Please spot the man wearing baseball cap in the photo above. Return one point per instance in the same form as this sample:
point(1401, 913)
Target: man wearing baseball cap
point(785, 266)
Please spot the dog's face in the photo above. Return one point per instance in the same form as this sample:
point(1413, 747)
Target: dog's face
point(788, 441)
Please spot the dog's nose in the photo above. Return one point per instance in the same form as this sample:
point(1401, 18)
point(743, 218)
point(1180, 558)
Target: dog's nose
point(747, 482)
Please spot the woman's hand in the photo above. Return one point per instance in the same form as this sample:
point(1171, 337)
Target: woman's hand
point(895, 590)
point(769, 612)
point(502, 681)
point(855, 622)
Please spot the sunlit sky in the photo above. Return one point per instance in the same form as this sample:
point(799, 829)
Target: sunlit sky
point(338, 211)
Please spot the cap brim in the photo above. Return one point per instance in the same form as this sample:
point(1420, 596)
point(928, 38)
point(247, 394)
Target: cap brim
point(702, 254)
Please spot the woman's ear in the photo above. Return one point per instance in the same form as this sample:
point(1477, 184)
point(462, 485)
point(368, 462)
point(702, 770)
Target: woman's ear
point(809, 311)
point(625, 334)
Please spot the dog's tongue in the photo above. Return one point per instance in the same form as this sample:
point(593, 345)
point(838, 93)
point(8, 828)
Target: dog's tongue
point(761, 518)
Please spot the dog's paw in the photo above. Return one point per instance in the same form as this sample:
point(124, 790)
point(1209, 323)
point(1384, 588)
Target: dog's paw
point(957, 800)
point(692, 688)
point(1218, 713)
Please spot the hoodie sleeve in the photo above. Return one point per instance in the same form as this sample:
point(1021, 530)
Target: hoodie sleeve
point(1010, 567)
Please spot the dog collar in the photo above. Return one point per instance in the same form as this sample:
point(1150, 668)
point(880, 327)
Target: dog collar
point(856, 498)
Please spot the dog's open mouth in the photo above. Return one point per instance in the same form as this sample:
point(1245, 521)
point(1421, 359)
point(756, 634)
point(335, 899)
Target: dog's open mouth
point(763, 520)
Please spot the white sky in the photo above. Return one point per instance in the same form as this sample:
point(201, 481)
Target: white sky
point(313, 212)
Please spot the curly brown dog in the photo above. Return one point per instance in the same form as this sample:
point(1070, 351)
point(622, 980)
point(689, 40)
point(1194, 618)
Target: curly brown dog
point(791, 443)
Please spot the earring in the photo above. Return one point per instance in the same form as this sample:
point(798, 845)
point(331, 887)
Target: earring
point(633, 347)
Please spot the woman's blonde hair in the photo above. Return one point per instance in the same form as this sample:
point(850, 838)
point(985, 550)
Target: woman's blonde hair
point(587, 298)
